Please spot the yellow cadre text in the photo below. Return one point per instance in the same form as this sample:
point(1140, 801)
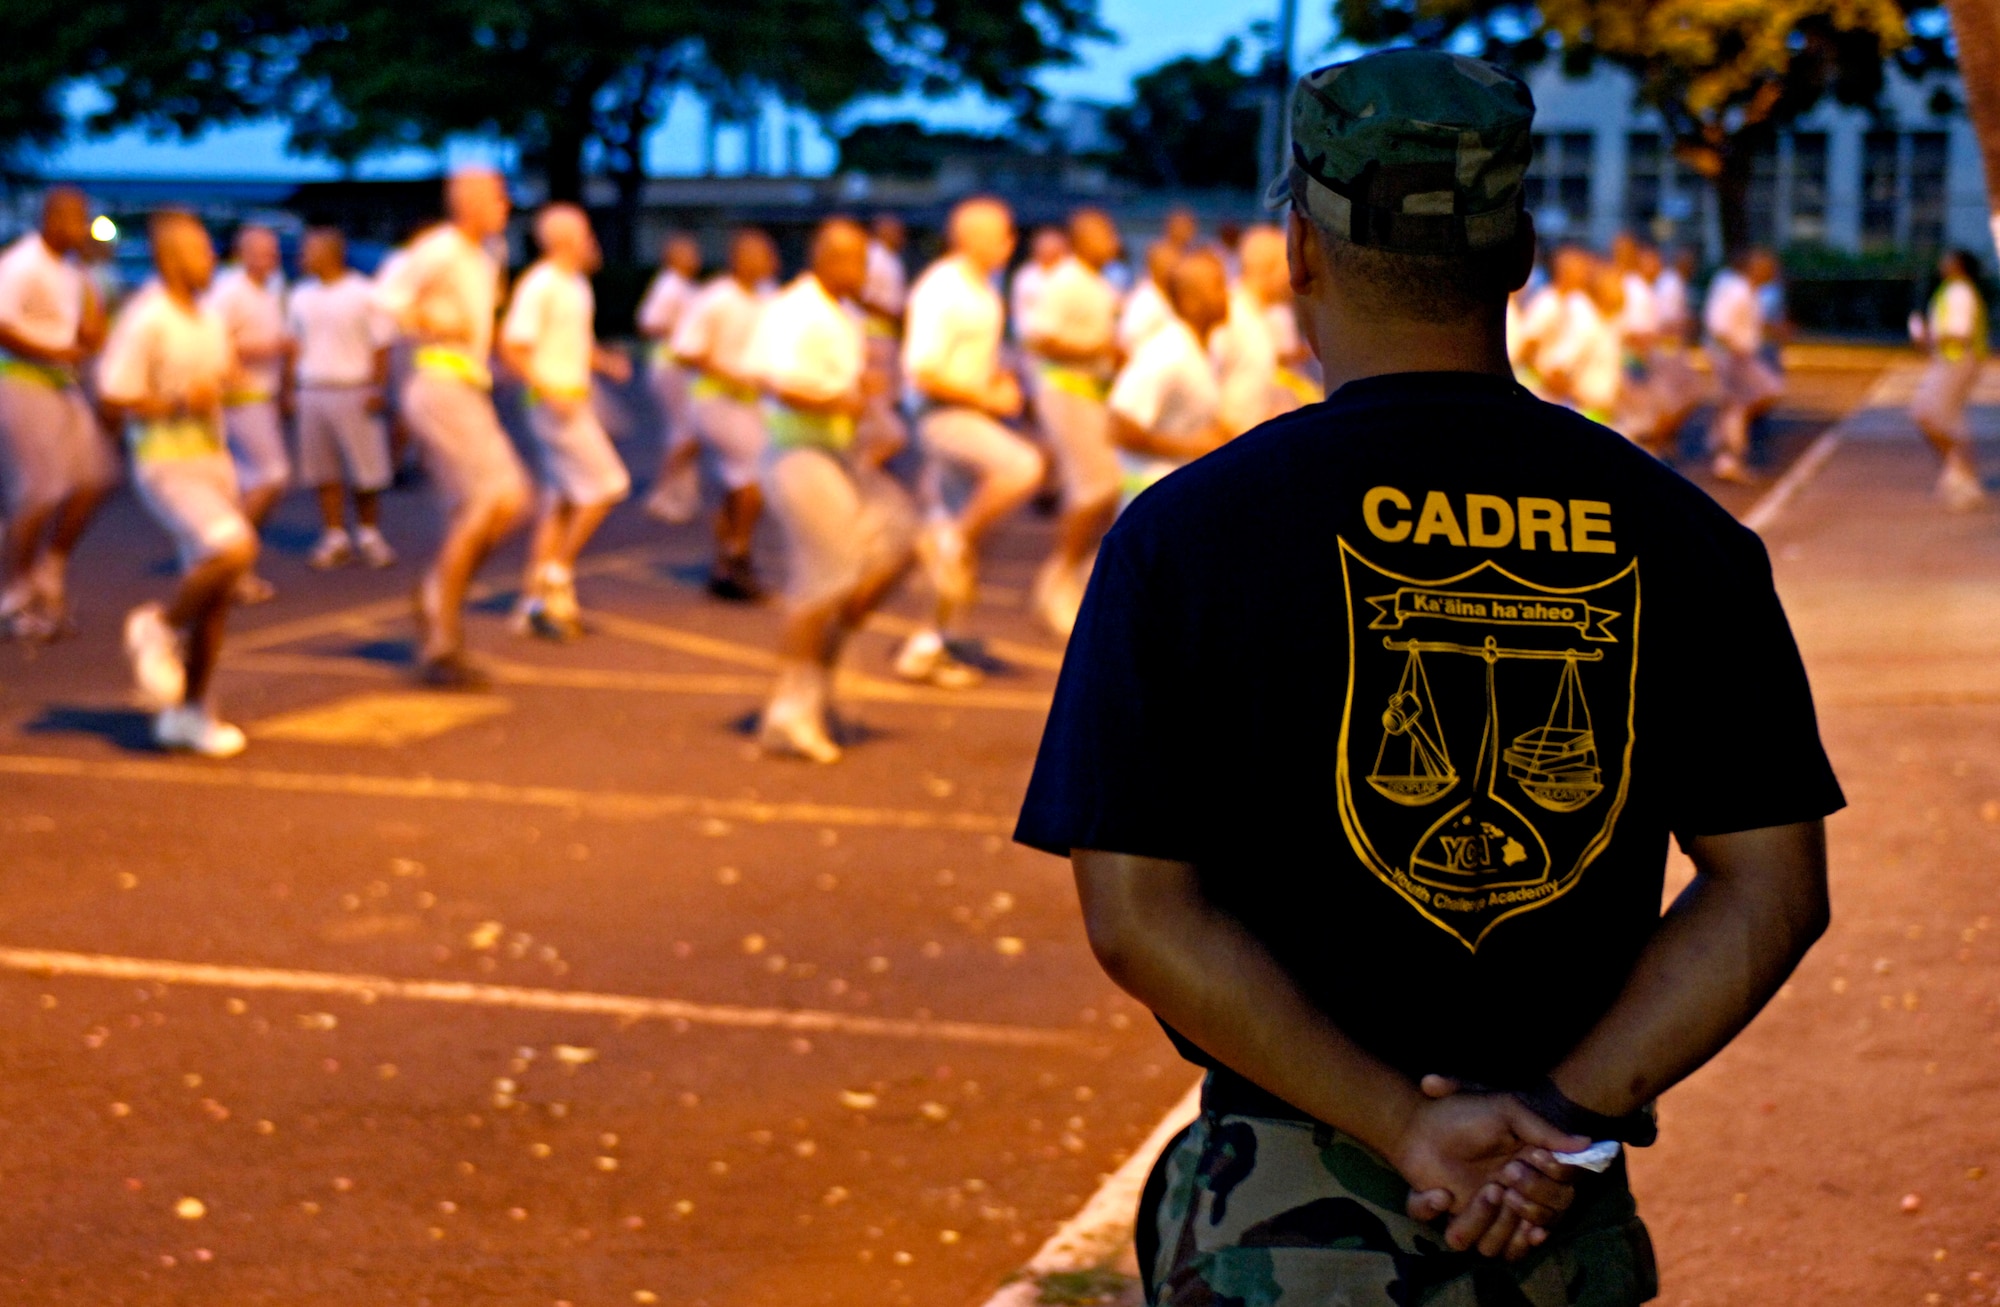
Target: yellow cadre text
point(1582, 526)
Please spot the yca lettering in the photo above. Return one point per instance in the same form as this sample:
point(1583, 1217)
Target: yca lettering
point(1583, 526)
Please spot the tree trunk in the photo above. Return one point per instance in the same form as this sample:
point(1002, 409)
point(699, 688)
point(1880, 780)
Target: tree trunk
point(562, 160)
point(1976, 24)
point(1732, 195)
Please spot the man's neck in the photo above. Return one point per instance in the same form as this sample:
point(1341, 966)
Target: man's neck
point(1352, 346)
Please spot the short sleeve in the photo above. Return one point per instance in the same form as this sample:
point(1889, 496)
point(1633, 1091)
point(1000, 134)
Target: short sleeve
point(121, 368)
point(1746, 751)
point(694, 336)
point(527, 316)
point(927, 331)
point(1115, 769)
point(1140, 392)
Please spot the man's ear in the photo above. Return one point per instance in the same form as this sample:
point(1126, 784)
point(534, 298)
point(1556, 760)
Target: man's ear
point(1302, 254)
point(1522, 255)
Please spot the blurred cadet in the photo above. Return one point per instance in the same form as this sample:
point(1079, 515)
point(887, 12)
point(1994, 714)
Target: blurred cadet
point(1544, 320)
point(1146, 309)
point(442, 294)
point(1673, 390)
point(1070, 334)
point(1955, 330)
point(1671, 298)
point(1267, 275)
point(340, 367)
point(1377, 578)
point(250, 300)
point(1180, 229)
point(1746, 386)
point(1229, 244)
point(1046, 248)
point(1245, 356)
point(711, 343)
point(549, 340)
point(163, 375)
point(846, 524)
point(964, 393)
point(676, 495)
point(1166, 405)
point(1638, 325)
point(56, 465)
point(1582, 362)
point(884, 298)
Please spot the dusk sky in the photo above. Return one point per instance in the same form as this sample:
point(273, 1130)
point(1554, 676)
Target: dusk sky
point(1149, 32)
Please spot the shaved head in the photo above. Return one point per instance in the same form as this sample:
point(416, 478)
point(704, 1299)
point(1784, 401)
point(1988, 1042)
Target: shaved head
point(476, 199)
point(182, 252)
point(257, 250)
point(753, 257)
point(1198, 288)
point(1265, 269)
point(1093, 236)
point(65, 219)
point(981, 231)
point(682, 253)
point(840, 257)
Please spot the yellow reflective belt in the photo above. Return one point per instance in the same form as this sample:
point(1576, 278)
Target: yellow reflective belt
point(1073, 381)
point(707, 385)
point(162, 439)
point(52, 375)
point(1308, 390)
point(791, 428)
point(451, 363)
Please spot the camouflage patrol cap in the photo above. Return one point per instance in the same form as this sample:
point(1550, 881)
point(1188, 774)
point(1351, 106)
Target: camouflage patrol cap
point(1415, 151)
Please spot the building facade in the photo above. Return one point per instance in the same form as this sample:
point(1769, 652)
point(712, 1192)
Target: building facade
point(1909, 179)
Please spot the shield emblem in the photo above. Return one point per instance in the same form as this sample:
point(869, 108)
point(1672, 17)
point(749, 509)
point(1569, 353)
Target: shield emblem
point(1486, 743)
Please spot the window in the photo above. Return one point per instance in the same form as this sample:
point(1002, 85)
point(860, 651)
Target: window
point(1762, 199)
point(1929, 154)
point(1878, 189)
point(1558, 182)
point(1645, 175)
point(1808, 187)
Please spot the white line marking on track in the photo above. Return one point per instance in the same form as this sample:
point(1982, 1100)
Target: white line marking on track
point(603, 804)
point(1098, 1233)
point(1806, 466)
point(49, 962)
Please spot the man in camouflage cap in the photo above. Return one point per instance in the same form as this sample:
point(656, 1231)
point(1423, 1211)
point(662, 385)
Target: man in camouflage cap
point(1367, 786)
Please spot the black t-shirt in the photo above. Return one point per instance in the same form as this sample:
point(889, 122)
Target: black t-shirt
point(1420, 679)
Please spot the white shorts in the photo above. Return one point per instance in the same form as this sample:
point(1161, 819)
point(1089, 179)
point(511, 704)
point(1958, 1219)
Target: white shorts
point(579, 465)
point(195, 501)
point(841, 523)
point(340, 440)
point(1943, 393)
point(1079, 432)
point(669, 383)
point(256, 436)
point(466, 451)
point(50, 445)
point(968, 443)
point(733, 434)
point(1742, 381)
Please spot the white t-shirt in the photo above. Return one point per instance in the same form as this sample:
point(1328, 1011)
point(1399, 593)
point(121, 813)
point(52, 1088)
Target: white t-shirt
point(1076, 308)
point(453, 283)
point(1168, 386)
point(1246, 364)
point(337, 328)
point(1585, 347)
point(1732, 314)
point(159, 350)
point(1532, 321)
point(1670, 300)
point(1640, 317)
point(1954, 313)
point(666, 299)
point(807, 343)
point(255, 316)
point(1146, 311)
point(41, 295)
point(1282, 321)
point(1023, 292)
point(886, 285)
point(952, 334)
point(716, 329)
point(551, 313)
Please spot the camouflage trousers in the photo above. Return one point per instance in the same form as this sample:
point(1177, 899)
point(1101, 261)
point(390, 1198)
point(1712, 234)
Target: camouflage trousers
point(1249, 1211)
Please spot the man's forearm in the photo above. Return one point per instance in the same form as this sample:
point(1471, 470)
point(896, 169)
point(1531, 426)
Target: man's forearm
point(1219, 986)
point(1719, 955)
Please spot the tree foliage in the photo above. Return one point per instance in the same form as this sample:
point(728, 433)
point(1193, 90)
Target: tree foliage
point(1724, 75)
point(1191, 122)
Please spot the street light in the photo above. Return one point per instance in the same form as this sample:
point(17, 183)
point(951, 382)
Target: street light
point(103, 230)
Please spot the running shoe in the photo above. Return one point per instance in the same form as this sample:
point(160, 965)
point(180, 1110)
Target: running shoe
point(155, 654)
point(1959, 490)
point(677, 497)
point(374, 550)
point(334, 549)
point(252, 589)
point(789, 736)
point(735, 580)
point(925, 659)
point(452, 671)
point(191, 728)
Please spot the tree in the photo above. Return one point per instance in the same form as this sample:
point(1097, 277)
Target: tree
point(1189, 123)
point(907, 149)
point(1725, 75)
point(1976, 25)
